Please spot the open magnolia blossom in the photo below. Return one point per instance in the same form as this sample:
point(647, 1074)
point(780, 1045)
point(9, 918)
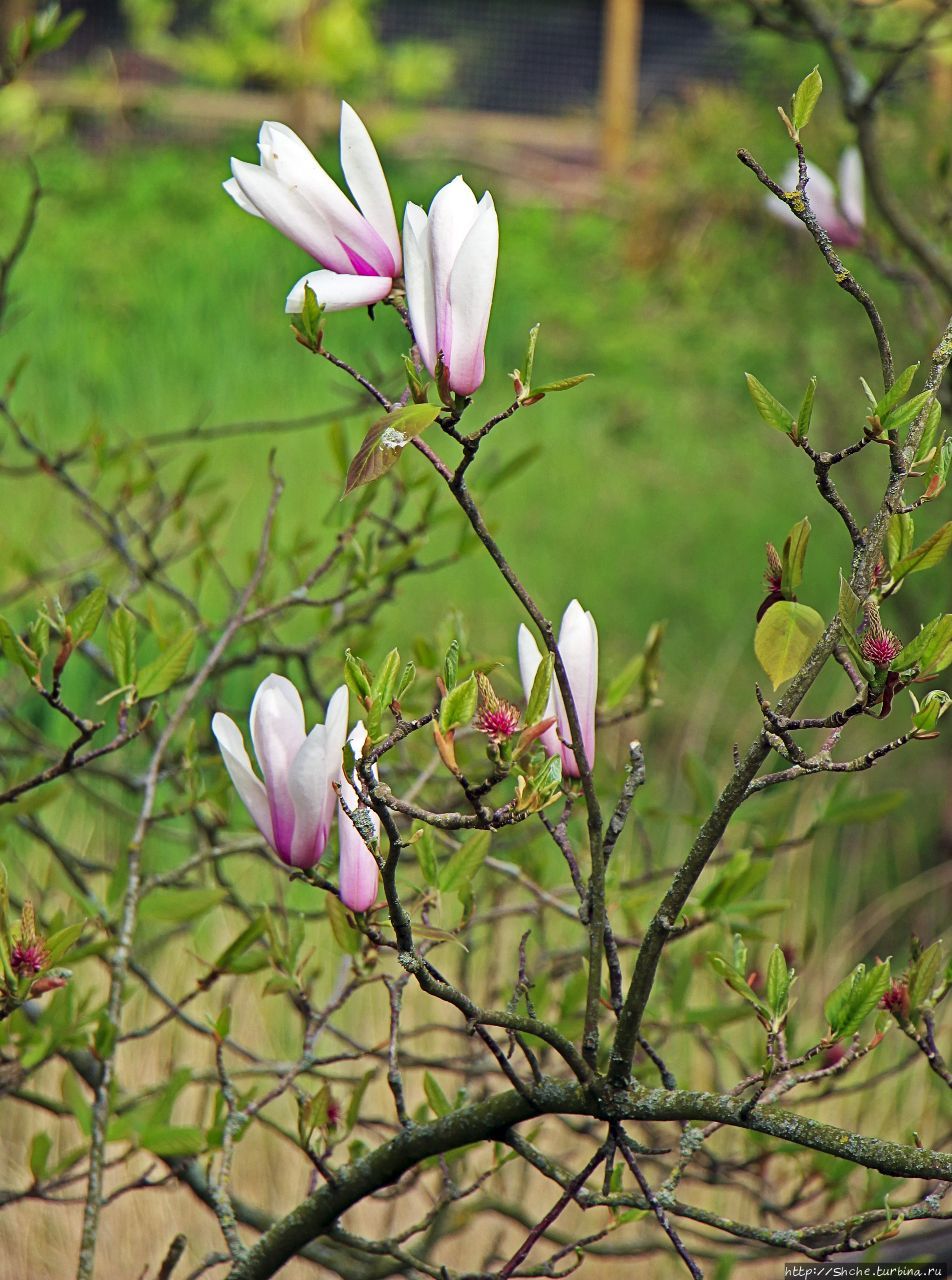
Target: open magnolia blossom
point(294, 806)
point(842, 214)
point(359, 248)
point(359, 873)
point(578, 646)
point(450, 270)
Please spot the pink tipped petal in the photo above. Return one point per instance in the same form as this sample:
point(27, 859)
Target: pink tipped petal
point(365, 177)
point(852, 195)
point(337, 292)
point(529, 661)
point(336, 728)
point(249, 787)
point(359, 874)
point(239, 197)
point(419, 283)
point(822, 196)
point(277, 732)
point(358, 869)
point(470, 293)
point(286, 156)
point(291, 214)
point(309, 785)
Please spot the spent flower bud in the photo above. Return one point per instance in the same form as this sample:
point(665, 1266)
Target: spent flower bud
point(878, 646)
point(496, 718)
point(774, 574)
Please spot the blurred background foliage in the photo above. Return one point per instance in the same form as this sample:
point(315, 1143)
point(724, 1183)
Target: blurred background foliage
point(148, 302)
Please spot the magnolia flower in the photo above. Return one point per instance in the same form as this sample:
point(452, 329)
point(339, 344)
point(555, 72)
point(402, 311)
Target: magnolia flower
point(358, 247)
point(578, 646)
point(450, 272)
point(358, 867)
point(294, 806)
point(842, 215)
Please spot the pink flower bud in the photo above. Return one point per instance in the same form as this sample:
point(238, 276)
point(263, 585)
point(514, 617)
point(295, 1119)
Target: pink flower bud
point(450, 272)
point(578, 646)
point(359, 873)
point(294, 805)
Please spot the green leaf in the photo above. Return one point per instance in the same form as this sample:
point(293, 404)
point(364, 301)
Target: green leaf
point(439, 1103)
point(15, 651)
point(170, 1140)
point(561, 384)
point(407, 677)
point(929, 712)
point(793, 555)
point(541, 687)
point(459, 705)
point(923, 976)
point(451, 665)
point(426, 855)
point(530, 357)
point(769, 408)
point(356, 1098)
point(785, 637)
point(160, 674)
point(737, 982)
point(938, 472)
point(899, 535)
point(805, 416)
point(849, 607)
point(40, 1149)
point(385, 681)
point(308, 324)
point(898, 391)
point(806, 98)
point(355, 676)
point(736, 880)
point(906, 413)
point(855, 999)
point(247, 938)
point(929, 430)
point(778, 983)
point(381, 692)
point(83, 619)
point(75, 1097)
point(844, 809)
point(179, 904)
point(121, 642)
point(345, 935)
point(927, 651)
point(385, 441)
point(59, 943)
point(459, 871)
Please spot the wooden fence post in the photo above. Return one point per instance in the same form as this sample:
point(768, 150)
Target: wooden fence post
point(622, 22)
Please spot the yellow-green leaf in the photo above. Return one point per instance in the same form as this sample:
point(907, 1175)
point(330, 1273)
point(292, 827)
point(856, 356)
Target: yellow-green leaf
point(785, 638)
